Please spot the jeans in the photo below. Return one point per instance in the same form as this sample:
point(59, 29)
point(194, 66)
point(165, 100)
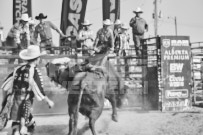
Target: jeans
point(137, 42)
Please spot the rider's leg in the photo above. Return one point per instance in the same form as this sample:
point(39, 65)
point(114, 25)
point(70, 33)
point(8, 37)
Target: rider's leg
point(15, 128)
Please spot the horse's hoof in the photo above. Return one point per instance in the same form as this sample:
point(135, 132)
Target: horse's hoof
point(115, 118)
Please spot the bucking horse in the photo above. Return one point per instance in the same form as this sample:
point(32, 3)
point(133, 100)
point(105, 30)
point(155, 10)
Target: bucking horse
point(88, 86)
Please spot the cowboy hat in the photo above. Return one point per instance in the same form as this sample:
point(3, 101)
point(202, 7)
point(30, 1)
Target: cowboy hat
point(124, 26)
point(138, 10)
point(117, 22)
point(1, 27)
point(86, 22)
point(25, 17)
point(32, 52)
point(40, 16)
point(107, 22)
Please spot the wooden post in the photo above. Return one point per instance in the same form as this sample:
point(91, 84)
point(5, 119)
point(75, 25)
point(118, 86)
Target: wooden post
point(155, 18)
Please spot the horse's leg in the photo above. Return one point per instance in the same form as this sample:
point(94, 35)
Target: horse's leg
point(95, 113)
point(92, 125)
point(112, 100)
point(72, 111)
point(71, 124)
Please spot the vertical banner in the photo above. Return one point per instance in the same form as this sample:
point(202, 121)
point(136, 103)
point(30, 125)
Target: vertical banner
point(72, 15)
point(176, 72)
point(111, 9)
point(21, 7)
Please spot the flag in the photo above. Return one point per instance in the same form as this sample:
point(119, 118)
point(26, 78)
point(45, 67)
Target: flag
point(21, 7)
point(72, 15)
point(111, 9)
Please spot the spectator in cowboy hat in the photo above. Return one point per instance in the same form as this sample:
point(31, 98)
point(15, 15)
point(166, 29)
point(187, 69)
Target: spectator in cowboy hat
point(104, 41)
point(1, 35)
point(20, 30)
point(26, 83)
point(139, 27)
point(31, 26)
point(32, 30)
point(123, 47)
point(117, 26)
point(117, 30)
point(85, 37)
point(44, 30)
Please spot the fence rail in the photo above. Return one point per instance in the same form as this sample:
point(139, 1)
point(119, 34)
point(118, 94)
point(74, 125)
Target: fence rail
point(197, 62)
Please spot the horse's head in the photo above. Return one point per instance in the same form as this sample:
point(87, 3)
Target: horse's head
point(60, 71)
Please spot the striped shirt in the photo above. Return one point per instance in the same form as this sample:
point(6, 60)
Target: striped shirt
point(124, 41)
point(27, 78)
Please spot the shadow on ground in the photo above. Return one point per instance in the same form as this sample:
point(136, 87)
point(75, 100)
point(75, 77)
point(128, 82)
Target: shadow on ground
point(51, 130)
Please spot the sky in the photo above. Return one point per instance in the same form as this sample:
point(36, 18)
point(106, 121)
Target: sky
point(187, 12)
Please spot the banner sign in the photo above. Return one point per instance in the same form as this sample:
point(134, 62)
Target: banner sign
point(72, 15)
point(111, 9)
point(176, 72)
point(21, 7)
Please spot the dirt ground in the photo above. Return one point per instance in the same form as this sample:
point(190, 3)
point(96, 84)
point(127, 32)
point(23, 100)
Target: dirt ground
point(131, 122)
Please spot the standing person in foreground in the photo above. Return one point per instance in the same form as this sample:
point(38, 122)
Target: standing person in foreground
point(44, 30)
point(139, 27)
point(25, 83)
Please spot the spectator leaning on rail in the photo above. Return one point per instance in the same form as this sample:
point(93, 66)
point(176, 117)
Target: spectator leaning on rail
point(85, 37)
point(104, 41)
point(44, 30)
point(139, 26)
point(1, 35)
point(20, 30)
point(25, 83)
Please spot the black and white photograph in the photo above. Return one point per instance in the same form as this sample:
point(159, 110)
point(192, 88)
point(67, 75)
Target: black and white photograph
point(101, 67)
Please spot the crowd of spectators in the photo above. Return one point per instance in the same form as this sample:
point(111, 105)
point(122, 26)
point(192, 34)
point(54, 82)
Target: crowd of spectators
point(113, 37)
